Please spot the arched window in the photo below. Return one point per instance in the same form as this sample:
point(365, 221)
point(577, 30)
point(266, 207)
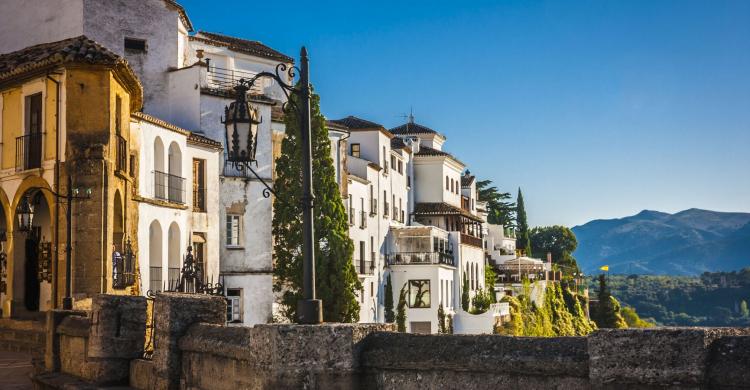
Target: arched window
point(155, 257)
point(173, 253)
point(446, 182)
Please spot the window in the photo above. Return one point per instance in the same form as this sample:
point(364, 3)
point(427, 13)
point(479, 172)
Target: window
point(135, 45)
point(452, 190)
point(199, 185)
point(393, 161)
point(233, 230)
point(133, 161)
point(400, 167)
point(351, 210)
point(234, 305)
point(419, 294)
point(354, 151)
point(447, 180)
point(29, 146)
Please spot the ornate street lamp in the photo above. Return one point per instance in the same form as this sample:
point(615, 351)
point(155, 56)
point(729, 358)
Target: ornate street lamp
point(241, 124)
point(25, 212)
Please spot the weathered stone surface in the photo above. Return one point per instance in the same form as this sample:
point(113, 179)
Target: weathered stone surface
point(730, 363)
point(437, 379)
point(659, 356)
point(174, 313)
point(118, 326)
point(75, 326)
point(275, 356)
point(559, 356)
point(142, 374)
point(73, 361)
point(52, 339)
point(22, 336)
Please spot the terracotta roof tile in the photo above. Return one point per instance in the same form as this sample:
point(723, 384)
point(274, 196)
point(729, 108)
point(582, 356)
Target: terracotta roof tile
point(412, 128)
point(246, 46)
point(352, 122)
point(198, 139)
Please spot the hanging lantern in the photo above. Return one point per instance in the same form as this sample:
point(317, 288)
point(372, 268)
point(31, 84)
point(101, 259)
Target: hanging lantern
point(241, 125)
point(25, 212)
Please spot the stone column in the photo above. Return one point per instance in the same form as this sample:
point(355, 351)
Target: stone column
point(174, 313)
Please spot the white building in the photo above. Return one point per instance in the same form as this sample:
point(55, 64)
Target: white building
point(378, 171)
point(187, 82)
point(178, 193)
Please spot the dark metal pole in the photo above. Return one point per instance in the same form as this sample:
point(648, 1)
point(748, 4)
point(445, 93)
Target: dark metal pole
point(309, 310)
point(68, 300)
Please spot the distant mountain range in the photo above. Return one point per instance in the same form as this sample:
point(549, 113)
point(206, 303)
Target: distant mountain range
point(651, 242)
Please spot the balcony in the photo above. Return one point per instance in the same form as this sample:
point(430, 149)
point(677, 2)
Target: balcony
point(365, 267)
point(29, 152)
point(418, 258)
point(169, 187)
point(373, 207)
point(199, 200)
point(386, 206)
point(121, 154)
point(471, 240)
point(224, 80)
point(385, 167)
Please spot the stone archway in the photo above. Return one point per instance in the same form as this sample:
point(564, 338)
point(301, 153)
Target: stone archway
point(5, 250)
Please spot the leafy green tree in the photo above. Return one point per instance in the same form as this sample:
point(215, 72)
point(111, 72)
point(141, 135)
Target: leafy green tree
point(558, 240)
point(500, 211)
point(441, 319)
point(607, 313)
point(465, 294)
point(523, 241)
point(632, 318)
point(335, 276)
point(744, 312)
point(401, 311)
point(489, 282)
point(481, 302)
point(450, 324)
point(390, 316)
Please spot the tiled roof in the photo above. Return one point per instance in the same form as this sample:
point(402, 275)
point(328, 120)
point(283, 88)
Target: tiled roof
point(428, 151)
point(160, 122)
point(336, 126)
point(80, 49)
point(467, 179)
point(412, 128)
point(398, 143)
point(183, 14)
point(352, 122)
point(198, 139)
point(442, 208)
point(246, 46)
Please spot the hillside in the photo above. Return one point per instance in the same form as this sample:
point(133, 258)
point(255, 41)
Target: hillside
point(651, 242)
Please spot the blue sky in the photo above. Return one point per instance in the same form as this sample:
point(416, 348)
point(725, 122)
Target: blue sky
point(596, 109)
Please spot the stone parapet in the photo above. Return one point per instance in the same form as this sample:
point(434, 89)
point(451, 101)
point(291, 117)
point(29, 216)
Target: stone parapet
point(730, 363)
point(656, 356)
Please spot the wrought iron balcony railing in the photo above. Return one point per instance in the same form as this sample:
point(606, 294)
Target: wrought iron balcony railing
point(373, 207)
point(416, 258)
point(365, 267)
point(29, 151)
point(169, 187)
point(386, 206)
point(222, 79)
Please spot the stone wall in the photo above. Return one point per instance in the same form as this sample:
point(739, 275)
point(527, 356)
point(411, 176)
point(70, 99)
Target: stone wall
point(195, 351)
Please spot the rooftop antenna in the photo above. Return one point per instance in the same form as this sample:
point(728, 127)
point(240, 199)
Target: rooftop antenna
point(409, 118)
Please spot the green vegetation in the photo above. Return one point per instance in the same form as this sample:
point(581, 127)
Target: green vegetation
point(390, 316)
point(523, 242)
point(401, 311)
point(499, 209)
point(561, 315)
point(335, 277)
point(632, 318)
point(481, 302)
point(441, 319)
point(465, 294)
point(713, 299)
point(606, 313)
point(560, 242)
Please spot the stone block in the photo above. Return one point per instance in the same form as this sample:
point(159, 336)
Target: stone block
point(492, 354)
point(118, 326)
point(142, 374)
point(653, 357)
point(174, 313)
point(729, 365)
point(52, 340)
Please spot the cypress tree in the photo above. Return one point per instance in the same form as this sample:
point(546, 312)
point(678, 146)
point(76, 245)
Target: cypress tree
point(335, 276)
point(465, 294)
point(390, 316)
point(607, 313)
point(441, 319)
point(524, 242)
point(401, 311)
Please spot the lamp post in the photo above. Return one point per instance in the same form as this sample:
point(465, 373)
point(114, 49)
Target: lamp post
point(26, 218)
point(241, 125)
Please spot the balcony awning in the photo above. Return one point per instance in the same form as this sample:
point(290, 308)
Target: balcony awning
point(442, 208)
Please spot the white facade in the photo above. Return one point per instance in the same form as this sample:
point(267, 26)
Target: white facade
point(177, 191)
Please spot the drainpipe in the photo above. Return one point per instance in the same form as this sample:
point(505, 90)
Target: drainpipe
point(57, 190)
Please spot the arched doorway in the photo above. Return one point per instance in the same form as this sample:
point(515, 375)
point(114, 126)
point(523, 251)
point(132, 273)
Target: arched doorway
point(118, 230)
point(4, 264)
point(155, 262)
point(32, 254)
